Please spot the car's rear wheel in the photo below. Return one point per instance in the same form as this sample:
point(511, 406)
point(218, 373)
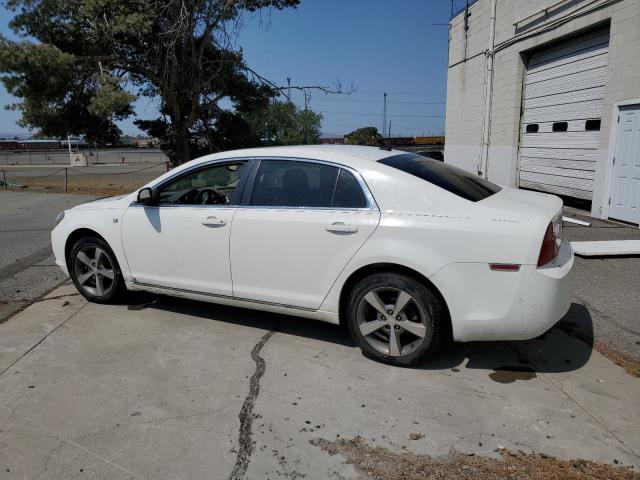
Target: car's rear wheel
point(395, 319)
point(95, 271)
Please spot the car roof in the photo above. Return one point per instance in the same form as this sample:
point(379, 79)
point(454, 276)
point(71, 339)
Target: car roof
point(350, 155)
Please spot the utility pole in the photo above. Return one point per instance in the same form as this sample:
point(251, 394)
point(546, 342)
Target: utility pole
point(289, 88)
point(389, 132)
point(384, 116)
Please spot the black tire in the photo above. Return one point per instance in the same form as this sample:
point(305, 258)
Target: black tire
point(424, 310)
point(98, 287)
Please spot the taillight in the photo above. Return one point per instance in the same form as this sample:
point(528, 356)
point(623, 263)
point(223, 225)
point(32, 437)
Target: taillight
point(550, 247)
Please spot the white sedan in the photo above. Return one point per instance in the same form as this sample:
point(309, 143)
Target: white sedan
point(404, 250)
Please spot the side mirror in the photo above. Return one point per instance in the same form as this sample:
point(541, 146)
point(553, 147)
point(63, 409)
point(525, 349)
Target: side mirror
point(145, 196)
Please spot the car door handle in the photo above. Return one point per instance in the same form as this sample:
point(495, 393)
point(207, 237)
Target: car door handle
point(341, 227)
point(214, 222)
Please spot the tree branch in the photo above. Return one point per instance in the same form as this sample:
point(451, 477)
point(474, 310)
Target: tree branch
point(336, 90)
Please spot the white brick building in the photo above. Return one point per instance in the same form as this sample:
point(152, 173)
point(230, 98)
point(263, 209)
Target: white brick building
point(561, 111)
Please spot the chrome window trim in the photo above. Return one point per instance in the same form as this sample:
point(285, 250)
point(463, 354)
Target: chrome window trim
point(200, 166)
point(175, 205)
point(371, 202)
point(372, 206)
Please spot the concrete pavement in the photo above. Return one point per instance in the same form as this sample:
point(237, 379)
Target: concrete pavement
point(176, 389)
point(608, 287)
point(27, 269)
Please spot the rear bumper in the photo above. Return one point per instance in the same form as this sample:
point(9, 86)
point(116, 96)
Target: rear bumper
point(489, 305)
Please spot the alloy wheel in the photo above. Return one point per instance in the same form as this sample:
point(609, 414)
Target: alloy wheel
point(94, 271)
point(392, 321)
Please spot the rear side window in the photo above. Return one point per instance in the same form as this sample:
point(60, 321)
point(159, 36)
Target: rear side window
point(294, 183)
point(452, 179)
point(348, 194)
point(286, 183)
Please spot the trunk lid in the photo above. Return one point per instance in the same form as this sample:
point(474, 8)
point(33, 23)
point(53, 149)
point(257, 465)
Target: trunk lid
point(523, 205)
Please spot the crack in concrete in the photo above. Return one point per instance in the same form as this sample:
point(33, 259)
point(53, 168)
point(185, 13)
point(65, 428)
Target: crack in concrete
point(26, 303)
point(36, 345)
point(50, 455)
point(245, 442)
point(559, 385)
point(150, 421)
point(625, 447)
point(76, 445)
point(57, 297)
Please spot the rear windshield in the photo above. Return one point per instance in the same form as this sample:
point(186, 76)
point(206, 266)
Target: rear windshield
point(453, 179)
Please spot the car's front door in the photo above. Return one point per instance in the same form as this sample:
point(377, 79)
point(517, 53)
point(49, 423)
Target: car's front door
point(300, 224)
point(183, 241)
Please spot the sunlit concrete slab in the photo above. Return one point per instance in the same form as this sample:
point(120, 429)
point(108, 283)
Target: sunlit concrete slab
point(168, 389)
point(606, 248)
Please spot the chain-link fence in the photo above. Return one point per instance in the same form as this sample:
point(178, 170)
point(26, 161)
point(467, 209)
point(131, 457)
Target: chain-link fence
point(105, 179)
point(94, 157)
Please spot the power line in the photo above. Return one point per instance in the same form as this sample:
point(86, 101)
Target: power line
point(400, 128)
point(402, 93)
point(407, 102)
point(377, 114)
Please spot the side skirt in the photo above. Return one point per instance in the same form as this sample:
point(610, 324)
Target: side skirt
point(329, 317)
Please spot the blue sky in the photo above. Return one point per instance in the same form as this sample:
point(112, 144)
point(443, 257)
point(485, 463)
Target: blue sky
point(375, 45)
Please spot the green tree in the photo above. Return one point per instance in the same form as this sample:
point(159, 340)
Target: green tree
point(283, 123)
point(364, 136)
point(85, 62)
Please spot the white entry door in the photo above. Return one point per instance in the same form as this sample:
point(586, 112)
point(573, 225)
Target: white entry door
point(625, 191)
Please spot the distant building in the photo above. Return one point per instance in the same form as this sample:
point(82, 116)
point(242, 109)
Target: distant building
point(559, 111)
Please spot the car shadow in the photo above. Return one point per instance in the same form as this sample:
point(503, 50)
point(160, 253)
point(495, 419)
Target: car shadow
point(266, 321)
point(565, 347)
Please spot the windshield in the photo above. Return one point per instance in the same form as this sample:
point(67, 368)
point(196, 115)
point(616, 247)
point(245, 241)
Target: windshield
point(452, 179)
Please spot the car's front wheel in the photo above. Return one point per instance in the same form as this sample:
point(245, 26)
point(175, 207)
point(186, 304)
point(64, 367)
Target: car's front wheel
point(395, 319)
point(95, 271)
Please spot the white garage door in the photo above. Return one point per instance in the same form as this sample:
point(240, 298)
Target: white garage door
point(564, 87)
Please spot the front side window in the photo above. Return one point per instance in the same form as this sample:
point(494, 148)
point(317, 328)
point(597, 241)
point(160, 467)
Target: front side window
point(213, 185)
point(452, 179)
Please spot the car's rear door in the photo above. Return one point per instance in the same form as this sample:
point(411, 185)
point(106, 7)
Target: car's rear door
point(183, 241)
point(300, 223)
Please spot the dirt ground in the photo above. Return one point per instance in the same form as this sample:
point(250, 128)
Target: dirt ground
point(631, 365)
point(102, 180)
point(380, 463)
